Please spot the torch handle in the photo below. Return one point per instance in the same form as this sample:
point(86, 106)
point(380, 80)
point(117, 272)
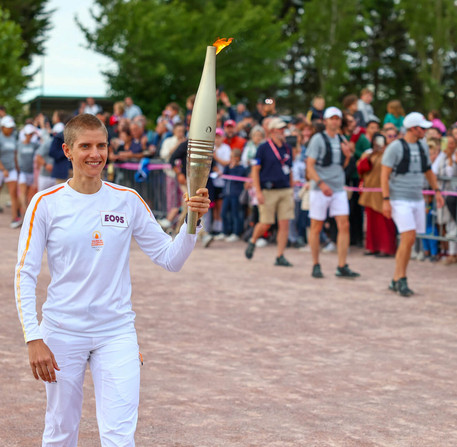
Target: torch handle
point(192, 218)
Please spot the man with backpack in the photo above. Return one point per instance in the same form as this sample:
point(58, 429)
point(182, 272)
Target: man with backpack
point(328, 154)
point(405, 163)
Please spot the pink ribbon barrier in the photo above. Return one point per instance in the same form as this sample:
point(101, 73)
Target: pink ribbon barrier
point(235, 178)
point(151, 167)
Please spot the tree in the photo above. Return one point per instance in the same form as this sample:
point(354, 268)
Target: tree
point(381, 56)
point(431, 26)
point(159, 47)
point(34, 20)
point(12, 79)
point(327, 29)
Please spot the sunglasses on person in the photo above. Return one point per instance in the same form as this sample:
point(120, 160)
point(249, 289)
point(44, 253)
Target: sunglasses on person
point(391, 135)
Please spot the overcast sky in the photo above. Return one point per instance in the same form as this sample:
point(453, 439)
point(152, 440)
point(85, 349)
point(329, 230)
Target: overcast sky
point(69, 68)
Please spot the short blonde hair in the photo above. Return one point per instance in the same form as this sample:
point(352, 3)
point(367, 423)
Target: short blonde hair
point(395, 108)
point(80, 123)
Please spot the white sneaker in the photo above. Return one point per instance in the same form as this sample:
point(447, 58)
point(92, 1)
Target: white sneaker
point(420, 256)
point(329, 248)
point(220, 237)
point(306, 249)
point(232, 238)
point(261, 242)
point(207, 239)
point(164, 223)
point(16, 223)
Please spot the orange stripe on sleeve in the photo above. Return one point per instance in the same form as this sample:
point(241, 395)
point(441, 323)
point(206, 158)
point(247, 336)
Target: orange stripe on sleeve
point(24, 254)
point(133, 192)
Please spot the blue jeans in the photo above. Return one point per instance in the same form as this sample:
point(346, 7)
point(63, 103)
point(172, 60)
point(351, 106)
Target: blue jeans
point(297, 226)
point(232, 216)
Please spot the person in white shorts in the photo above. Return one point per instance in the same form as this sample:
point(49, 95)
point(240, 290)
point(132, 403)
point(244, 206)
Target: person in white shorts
point(328, 153)
point(26, 150)
point(405, 162)
point(8, 168)
point(86, 226)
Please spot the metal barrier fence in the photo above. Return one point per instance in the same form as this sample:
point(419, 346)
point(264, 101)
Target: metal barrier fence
point(445, 183)
point(153, 190)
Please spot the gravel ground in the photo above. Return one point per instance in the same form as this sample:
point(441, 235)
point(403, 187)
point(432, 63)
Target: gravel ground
point(242, 353)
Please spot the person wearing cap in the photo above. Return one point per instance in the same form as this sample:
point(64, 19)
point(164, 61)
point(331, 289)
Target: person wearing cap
point(328, 154)
point(405, 162)
point(8, 168)
point(26, 150)
point(231, 137)
point(272, 180)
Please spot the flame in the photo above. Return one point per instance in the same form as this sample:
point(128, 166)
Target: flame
point(220, 44)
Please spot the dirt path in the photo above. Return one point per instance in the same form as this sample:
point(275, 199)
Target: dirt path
point(242, 353)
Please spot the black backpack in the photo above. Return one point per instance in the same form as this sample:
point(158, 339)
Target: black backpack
point(403, 166)
point(328, 157)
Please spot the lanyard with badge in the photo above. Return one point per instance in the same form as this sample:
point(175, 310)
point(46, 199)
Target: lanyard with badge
point(284, 166)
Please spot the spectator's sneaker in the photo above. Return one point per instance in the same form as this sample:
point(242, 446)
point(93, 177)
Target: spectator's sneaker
point(393, 286)
point(207, 239)
point(346, 272)
point(232, 238)
point(282, 261)
point(261, 242)
point(16, 223)
point(329, 248)
point(403, 288)
point(220, 237)
point(249, 253)
point(317, 272)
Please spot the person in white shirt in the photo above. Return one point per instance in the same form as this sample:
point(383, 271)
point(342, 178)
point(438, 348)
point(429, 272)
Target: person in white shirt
point(91, 107)
point(86, 226)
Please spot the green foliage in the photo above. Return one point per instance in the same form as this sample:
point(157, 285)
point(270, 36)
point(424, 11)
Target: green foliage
point(34, 20)
point(293, 49)
point(431, 26)
point(12, 80)
point(159, 47)
point(328, 27)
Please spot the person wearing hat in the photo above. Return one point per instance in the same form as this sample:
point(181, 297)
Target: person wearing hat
point(328, 154)
point(405, 162)
point(26, 150)
point(8, 171)
point(272, 180)
point(231, 137)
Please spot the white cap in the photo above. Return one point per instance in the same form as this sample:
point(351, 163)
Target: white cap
point(29, 129)
point(58, 127)
point(332, 111)
point(416, 119)
point(7, 121)
point(276, 123)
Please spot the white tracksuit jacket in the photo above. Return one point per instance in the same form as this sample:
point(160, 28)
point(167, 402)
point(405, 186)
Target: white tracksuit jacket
point(87, 237)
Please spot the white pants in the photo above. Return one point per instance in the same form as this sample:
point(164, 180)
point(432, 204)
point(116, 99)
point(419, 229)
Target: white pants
point(319, 204)
point(115, 367)
point(45, 182)
point(408, 215)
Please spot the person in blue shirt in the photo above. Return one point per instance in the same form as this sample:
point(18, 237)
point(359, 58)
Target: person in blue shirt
point(232, 211)
point(272, 180)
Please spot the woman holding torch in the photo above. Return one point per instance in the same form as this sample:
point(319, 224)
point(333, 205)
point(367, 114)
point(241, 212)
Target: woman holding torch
point(86, 225)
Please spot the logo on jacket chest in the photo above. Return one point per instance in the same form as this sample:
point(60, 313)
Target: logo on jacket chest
point(97, 241)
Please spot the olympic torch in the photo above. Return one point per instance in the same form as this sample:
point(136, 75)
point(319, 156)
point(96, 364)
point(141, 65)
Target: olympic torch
point(202, 129)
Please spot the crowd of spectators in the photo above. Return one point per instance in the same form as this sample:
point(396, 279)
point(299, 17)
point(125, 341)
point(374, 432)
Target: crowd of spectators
point(31, 159)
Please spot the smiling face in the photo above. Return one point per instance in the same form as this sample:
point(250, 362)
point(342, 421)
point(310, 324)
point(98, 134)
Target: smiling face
point(88, 153)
